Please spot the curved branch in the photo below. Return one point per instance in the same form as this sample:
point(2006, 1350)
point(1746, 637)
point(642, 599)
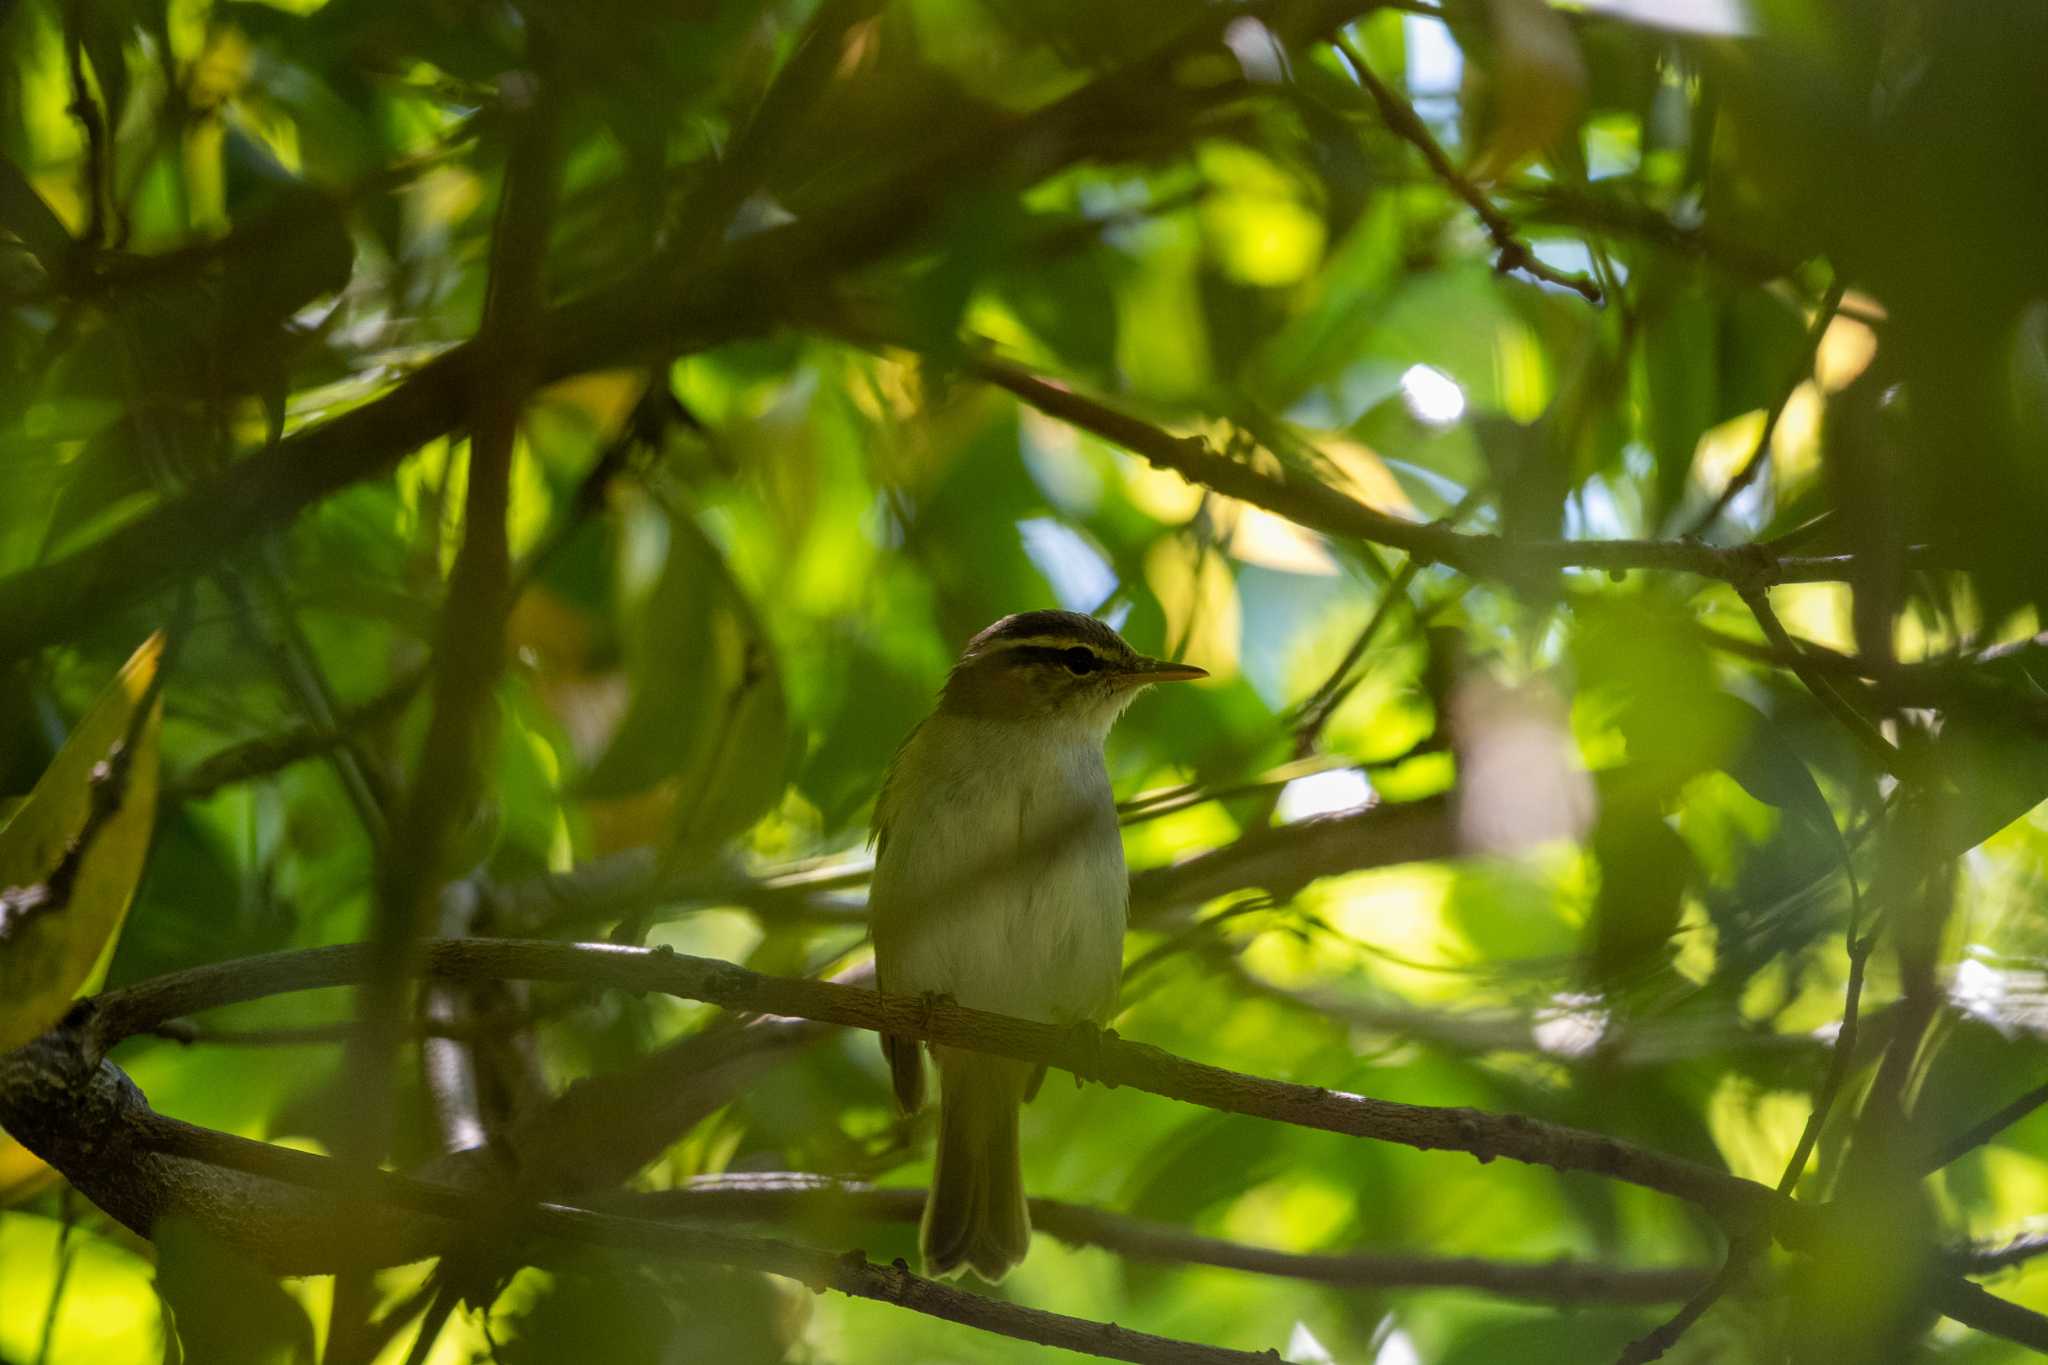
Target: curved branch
point(1735, 1202)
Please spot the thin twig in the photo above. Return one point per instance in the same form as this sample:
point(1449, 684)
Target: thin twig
point(1839, 1058)
point(1653, 1344)
point(60, 1279)
point(1315, 711)
point(807, 1199)
point(1977, 1134)
point(1988, 1260)
point(1615, 216)
point(271, 753)
point(1401, 118)
point(86, 109)
point(1830, 304)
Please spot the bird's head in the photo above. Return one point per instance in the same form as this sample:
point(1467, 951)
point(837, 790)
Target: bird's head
point(1053, 666)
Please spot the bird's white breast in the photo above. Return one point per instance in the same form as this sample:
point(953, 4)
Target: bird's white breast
point(1001, 879)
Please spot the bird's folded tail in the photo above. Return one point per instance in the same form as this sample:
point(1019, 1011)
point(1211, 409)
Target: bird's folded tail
point(975, 1215)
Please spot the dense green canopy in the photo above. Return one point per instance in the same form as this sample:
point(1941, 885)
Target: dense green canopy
point(1597, 452)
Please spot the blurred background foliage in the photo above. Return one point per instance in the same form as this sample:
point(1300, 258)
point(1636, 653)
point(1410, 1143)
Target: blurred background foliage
point(1761, 272)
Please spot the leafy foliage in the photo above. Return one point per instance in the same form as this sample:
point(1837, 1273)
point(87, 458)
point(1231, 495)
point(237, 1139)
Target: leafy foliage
point(1657, 312)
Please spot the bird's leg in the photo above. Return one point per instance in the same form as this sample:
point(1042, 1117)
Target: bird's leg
point(1087, 1038)
point(927, 1003)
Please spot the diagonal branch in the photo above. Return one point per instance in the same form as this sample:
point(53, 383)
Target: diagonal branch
point(1854, 721)
point(1977, 1134)
point(1830, 304)
point(1653, 1344)
point(1319, 507)
point(1400, 116)
point(1988, 1260)
point(1974, 1306)
point(269, 753)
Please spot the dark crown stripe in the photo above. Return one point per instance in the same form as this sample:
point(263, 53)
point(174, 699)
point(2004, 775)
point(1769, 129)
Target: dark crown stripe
point(1044, 628)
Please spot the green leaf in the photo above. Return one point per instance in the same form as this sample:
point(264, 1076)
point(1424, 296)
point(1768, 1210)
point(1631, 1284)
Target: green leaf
point(707, 710)
point(47, 956)
point(1681, 387)
point(29, 216)
point(1768, 768)
point(1644, 869)
point(1643, 663)
point(104, 1312)
point(609, 1307)
point(1997, 770)
point(110, 476)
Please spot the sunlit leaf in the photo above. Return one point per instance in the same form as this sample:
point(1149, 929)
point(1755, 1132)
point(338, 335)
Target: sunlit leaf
point(105, 1313)
point(49, 954)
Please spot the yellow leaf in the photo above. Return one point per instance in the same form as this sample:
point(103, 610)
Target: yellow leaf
point(49, 955)
point(23, 1175)
point(1539, 86)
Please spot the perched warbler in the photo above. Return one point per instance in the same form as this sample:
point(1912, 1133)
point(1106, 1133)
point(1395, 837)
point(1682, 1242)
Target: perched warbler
point(999, 882)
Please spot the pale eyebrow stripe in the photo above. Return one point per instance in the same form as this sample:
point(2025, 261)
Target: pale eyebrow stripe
point(1049, 642)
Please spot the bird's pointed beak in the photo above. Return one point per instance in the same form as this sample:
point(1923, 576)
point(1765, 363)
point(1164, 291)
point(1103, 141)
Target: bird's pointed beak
point(1144, 671)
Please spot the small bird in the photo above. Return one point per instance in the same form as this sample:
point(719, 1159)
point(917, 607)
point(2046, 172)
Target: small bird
point(999, 883)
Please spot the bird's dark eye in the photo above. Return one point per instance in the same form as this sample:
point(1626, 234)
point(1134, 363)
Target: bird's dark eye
point(1081, 660)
